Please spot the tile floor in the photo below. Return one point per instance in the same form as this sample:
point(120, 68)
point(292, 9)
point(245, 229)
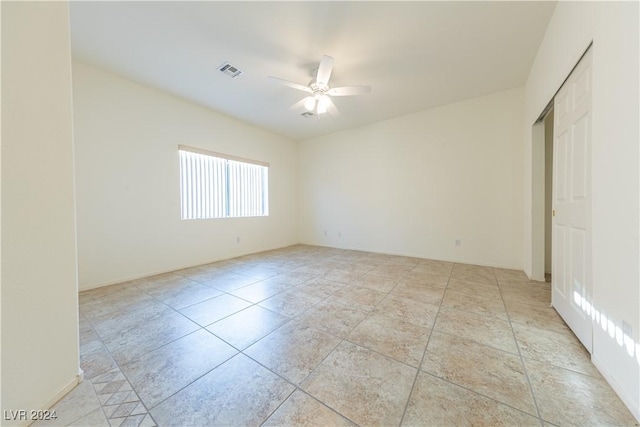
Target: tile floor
point(317, 336)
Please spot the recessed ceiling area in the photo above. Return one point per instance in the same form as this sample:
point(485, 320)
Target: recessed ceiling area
point(415, 55)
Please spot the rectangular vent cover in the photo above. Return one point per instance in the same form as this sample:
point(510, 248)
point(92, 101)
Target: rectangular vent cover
point(230, 70)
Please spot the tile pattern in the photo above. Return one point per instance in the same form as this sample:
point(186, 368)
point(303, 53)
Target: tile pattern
point(318, 336)
point(120, 403)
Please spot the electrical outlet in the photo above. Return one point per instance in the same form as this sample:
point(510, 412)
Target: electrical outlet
point(458, 242)
point(325, 232)
point(238, 239)
point(339, 233)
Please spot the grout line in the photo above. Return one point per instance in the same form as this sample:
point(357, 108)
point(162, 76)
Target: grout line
point(524, 366)
point(278, 407)
point(480, 394)
point(424, 353)
point(300, 262)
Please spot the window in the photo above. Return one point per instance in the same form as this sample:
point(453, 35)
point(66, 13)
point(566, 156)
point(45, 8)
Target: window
point(215, 185)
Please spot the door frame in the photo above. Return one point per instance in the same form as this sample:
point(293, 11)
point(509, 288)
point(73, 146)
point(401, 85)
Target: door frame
point(538, 184)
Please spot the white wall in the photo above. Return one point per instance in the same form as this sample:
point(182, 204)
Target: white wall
point(412, 185)
point(128, 192)
point(613, 28)
point(40, 359)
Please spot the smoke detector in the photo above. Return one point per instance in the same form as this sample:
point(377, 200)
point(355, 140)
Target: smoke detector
point(229, 70)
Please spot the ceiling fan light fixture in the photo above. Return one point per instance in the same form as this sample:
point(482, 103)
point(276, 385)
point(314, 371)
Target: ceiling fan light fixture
point(323, 103)
point(319, 99)
point(310, 103)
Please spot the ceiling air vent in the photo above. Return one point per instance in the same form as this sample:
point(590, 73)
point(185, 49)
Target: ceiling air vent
point(230, 70)
point(307, 114)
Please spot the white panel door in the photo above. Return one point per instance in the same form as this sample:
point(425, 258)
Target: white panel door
point(571, 227)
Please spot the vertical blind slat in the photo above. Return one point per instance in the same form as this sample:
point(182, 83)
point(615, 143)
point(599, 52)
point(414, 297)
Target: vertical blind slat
point(215, 187)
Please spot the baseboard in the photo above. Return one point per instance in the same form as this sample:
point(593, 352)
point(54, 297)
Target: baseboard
point(59, 395)
point(629, 403)
point(142, 276)
point(155, 273)
point(412, 255)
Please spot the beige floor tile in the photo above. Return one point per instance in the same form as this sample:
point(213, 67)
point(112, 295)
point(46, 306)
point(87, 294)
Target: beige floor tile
point(473, 268)
point(526, 293)
point(442, 268)
point(293, 351)
point(569, 398)
point(158, 278)
point(536, 316)
point(261, 290)
point(427, 277)
point(294, 277)
point(206, 274)
point(435, 402)
point(86, 334)
point(166, 370)
point(397, 339)
point(317, 269)
point(291, 303)
point(356, 265)
point(362, 298)
point(364, 386)
point(127, 317)
point(509, 274)
point(300, 409)
point(99, 303)
point(391, 271)
point(185, 295)
point(489, 290)
point(259, 272)
point(482, 329)
point(492, 307)
point(214, 309)
point(140, 339)
point(95, 418)
point(239, 392)
point(157, 286)
point(524, 284)
point(376, 282)
point(342, 276)
point(95, 359)
point(78, 403)
point(247, 326)
point(559, 349)
point(190, 271)
point(485, 370)
point(412, 311)
point(473, 273)
point(112, 294)
point(424, 292)
point(321, 288)
point(382, 302)
point(228, 281)
point(333, 317)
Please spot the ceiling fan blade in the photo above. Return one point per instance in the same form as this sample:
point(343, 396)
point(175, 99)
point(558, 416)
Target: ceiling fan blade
point(349, 90)
point(290, 84)
point(331, 108)
point(298, 105)
point(324, 70)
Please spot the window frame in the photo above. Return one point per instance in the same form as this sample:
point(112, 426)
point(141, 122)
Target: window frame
point(229, 204)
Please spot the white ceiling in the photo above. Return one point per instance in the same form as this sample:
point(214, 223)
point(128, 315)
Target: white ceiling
point(416, 55)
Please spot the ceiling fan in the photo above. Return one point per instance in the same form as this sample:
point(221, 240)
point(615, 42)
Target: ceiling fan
point(319, 98)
